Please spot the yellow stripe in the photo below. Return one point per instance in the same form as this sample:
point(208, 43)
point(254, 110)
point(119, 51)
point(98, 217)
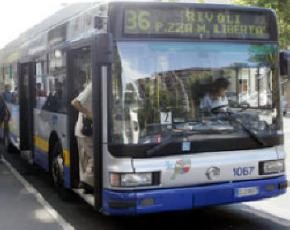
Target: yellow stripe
point(43, 145)
point(66, 157)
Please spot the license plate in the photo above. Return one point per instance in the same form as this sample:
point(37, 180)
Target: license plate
point(250, 191)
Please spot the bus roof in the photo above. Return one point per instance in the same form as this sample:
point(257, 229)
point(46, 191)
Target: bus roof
point(72, 18)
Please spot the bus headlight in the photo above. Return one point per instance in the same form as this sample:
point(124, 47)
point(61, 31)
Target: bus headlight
point(271, 167)
point(132, 179)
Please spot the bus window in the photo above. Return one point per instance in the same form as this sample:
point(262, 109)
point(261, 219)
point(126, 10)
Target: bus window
point(41, 85)
point(82, 71)
point(14, 84)
point(55, 83)
point(1, 79)
point(10, 89)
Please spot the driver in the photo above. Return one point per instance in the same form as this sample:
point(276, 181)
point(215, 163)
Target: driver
point(216, 97)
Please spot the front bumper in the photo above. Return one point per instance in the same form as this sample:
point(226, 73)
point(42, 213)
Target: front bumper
point(172, 199)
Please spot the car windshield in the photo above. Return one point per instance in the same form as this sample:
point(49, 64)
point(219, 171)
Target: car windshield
point(173, 90)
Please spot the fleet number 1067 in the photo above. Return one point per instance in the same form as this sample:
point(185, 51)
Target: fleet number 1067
point(243, 171)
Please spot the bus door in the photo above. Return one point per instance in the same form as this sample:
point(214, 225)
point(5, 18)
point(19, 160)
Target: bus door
point(26, 100)
point(79, 75)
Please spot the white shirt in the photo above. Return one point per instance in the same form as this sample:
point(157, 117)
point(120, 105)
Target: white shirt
point(85, 99)
point(209, 103)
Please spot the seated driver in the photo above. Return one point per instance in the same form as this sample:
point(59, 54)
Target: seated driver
point(216, 97)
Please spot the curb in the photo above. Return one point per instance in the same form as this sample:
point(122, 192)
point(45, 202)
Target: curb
point(39, 198)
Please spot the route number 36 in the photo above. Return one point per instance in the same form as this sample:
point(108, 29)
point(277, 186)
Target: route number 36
point(137, 20)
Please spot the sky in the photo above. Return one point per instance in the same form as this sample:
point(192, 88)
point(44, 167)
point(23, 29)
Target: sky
point(19, 15)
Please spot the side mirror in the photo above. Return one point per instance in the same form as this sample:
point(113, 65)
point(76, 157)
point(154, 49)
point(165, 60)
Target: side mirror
point(285, 63)
point(103, 48)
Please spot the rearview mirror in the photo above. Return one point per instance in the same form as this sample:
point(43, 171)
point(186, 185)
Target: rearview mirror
point(285, 63)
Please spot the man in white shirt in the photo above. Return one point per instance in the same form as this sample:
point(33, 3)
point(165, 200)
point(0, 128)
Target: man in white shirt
point(83, 103)
point(216, 97)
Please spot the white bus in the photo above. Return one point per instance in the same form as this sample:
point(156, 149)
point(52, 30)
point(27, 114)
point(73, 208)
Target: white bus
point(186, 104)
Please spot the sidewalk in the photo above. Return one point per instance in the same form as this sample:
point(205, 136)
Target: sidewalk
point(22, 207)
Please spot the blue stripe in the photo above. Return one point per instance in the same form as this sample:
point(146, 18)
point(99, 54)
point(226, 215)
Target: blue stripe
point(67, 177)
point(187, 198)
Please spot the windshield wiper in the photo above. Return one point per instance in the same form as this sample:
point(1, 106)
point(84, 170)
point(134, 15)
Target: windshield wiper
point(253, 135)
point(163, 144)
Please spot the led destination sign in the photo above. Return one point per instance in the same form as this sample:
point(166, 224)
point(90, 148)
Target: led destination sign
point(203, 23)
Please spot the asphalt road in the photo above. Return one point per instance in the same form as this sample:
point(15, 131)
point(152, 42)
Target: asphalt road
point(257, 215)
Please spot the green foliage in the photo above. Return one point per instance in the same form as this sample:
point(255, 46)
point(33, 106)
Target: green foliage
point(282, 9)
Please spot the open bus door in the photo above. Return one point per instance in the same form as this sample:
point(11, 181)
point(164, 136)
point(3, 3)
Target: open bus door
point(26, 100)
point(78, 60)
point(98, 53)
point(81, 71)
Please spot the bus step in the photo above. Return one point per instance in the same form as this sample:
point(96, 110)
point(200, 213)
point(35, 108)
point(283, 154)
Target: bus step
point(88, 198)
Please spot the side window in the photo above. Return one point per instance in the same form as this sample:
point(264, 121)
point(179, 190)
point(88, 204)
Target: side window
point(1, 79)
point(10, 91)
point(41, 83)
point(14, 83)
point(55, 83)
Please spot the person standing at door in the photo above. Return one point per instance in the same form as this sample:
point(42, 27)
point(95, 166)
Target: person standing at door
point(83, 104)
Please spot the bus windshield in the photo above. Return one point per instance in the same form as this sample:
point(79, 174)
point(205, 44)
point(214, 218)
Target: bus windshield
point(180, 91)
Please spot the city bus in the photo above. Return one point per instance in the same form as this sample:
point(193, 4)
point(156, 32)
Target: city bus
point(166, 135)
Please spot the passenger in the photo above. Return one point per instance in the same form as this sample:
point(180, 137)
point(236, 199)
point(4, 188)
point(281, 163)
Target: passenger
point(4, 112)
point(39, 91)
point(59, 97)
point(55, 101)
point(50, 104)
point(4, 116)
point(83, 104)
point(15, 96)
point(7, 94)
point(216, 97)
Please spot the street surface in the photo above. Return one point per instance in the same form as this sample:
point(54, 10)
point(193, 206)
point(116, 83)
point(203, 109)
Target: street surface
point(271, 214)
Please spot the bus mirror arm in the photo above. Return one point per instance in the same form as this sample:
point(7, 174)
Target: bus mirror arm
point(103, 44)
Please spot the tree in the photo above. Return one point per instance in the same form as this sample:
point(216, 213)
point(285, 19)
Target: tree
point(282, 9)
